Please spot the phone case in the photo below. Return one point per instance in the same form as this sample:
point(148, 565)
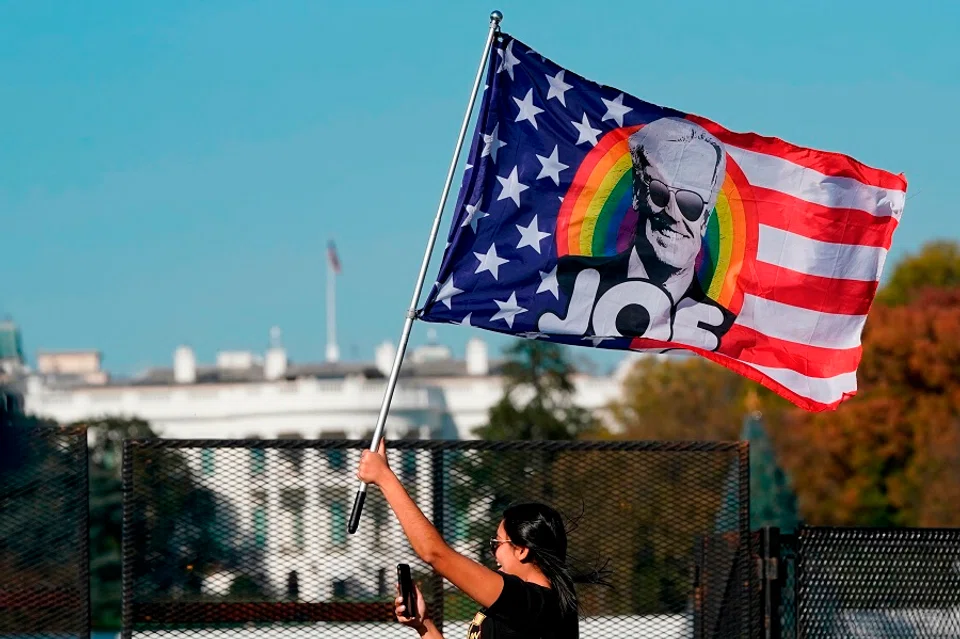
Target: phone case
point(406, 589)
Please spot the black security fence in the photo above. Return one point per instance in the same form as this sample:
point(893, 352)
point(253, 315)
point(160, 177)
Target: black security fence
point(44, 561)
point(233, 538)
point(852, 583)
point(250, 537)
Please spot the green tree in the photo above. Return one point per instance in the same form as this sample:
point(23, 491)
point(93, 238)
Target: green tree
point(191, 530)
point(772, 499)
point(106, 513)
point(537, 404)
point(683, 499)
point(936, 265)
point(41, 484)
point(537, 398)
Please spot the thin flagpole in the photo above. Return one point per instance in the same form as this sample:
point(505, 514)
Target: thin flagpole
point(333, 351)
point(495, 19)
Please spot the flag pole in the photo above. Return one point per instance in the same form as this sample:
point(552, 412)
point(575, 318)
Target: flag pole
point(495, 18)
point(333, 351)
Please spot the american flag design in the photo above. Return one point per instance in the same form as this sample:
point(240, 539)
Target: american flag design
point(587, 216)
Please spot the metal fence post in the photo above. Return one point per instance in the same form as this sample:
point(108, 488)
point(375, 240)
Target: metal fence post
point(799, 581)
point(438, 496)
point(771, 582)
point(788, 583)
point(85, 536)
point(747, 596)
point(127, 543)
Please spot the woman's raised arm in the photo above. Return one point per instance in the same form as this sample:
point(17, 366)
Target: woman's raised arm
point(476, 580)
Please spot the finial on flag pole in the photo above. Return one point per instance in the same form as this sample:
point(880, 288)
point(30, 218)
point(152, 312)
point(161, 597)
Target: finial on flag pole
point(495, 19)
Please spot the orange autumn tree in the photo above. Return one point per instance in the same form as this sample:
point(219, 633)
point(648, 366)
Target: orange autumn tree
point(890, 456)
point(688, 398)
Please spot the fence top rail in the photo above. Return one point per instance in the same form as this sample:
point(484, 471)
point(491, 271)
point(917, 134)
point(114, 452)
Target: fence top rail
point(866, 532)
point(48, 430)
point(456, 445)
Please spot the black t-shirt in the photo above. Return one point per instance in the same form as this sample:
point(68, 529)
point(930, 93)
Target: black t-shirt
point(524, 611)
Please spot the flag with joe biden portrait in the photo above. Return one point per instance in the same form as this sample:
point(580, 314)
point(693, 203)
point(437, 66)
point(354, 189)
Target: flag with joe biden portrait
point(587, 216)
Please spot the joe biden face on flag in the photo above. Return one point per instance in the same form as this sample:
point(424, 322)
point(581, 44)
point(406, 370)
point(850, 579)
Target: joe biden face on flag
point(650, 289)
point(678, 169)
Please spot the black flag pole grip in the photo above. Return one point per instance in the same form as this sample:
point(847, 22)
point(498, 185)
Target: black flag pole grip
point(354, 522)
point(357, 509)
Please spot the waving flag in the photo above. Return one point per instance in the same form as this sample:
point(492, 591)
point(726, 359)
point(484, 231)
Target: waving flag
point(333, 259)
point(587, 216)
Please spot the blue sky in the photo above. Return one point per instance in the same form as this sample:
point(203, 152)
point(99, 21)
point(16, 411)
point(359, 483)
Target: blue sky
point(170, 172)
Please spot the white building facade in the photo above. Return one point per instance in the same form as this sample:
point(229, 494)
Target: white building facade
point(247, 395)
point(291, 507)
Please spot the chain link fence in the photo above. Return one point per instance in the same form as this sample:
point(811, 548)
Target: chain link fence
point(249, 538)
point(44, 547)
point(855, 583)
point(788, 594)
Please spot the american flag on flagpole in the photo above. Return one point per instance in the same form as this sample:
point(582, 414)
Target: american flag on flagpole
point(587, 216)
point(332, 258)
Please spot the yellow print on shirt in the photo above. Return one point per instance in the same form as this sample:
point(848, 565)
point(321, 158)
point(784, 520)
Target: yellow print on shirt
point(473, 632)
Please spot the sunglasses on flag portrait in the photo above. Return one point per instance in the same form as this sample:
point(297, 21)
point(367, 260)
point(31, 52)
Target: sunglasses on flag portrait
point(689, 202)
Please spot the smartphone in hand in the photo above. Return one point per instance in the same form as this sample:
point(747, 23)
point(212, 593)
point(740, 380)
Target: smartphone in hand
point(407, 591)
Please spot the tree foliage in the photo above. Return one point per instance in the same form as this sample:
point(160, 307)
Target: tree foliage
point(890, 456)
point(42, 479)
point(537, 404)
point(688, 398)
point(186, 531)
point(538, 396)
point(936, 265)
point(106, 514)
point(773, 502)
point(644, 512)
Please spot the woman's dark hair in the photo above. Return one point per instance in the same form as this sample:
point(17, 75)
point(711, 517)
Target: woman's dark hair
point(541, 530)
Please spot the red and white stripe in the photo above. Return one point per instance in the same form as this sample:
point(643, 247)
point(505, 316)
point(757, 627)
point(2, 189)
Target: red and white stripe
point(826, 225)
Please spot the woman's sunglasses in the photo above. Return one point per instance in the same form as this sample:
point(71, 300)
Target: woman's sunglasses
point(495, 543)
point(689, 202)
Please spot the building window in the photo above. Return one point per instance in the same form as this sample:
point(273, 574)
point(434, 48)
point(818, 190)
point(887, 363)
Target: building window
point(293, 585)
point(382, 582)
point(260, 527)
point(294, 456)
point(260, 520)
point(339, 588)
point(408, 465)
point(208, 458)
point(258, 461)
point(299, 539)
point(338, 523)
point(337, 459)
point(293, 501)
